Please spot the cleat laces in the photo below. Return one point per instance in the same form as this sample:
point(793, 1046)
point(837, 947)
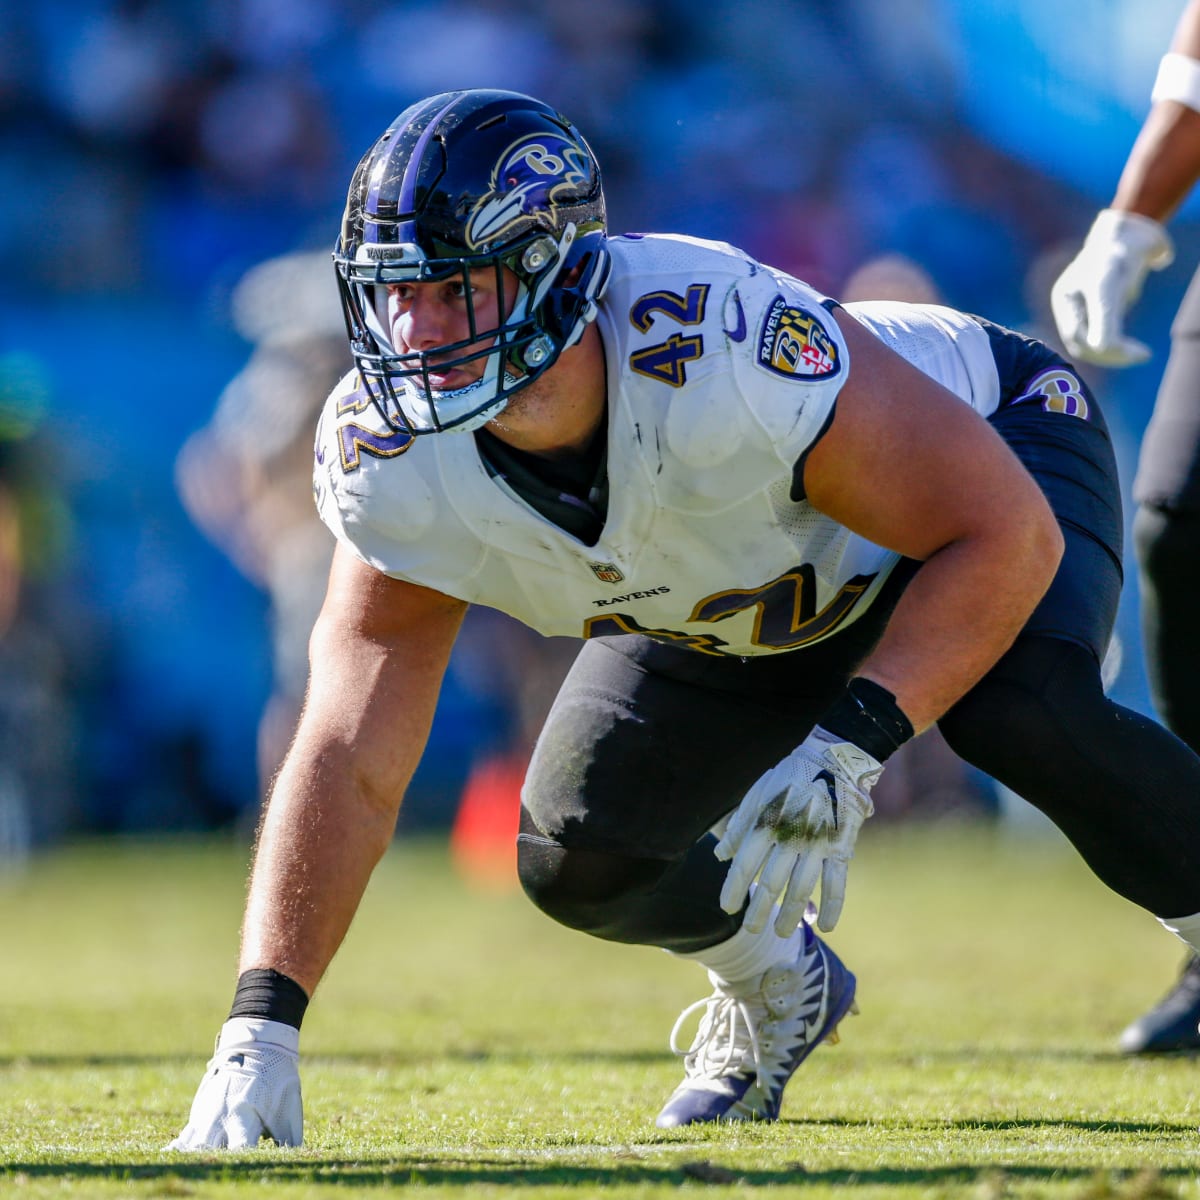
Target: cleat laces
point(753, 1036)
point(726, 1043)
point(759, 1032)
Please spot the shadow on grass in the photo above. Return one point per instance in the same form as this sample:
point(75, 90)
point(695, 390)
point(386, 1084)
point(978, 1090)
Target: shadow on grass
point(402, 1058)
point(450, 1172)
point(407, 1057)
point(983, 1125)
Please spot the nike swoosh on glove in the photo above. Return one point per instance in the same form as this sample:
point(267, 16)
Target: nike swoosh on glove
point(798, 823)
point(250, 1089)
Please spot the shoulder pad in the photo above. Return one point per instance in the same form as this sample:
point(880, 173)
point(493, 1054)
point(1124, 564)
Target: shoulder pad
point(352, 430)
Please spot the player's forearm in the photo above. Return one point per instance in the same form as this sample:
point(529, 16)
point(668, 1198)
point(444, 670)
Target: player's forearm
point(1186, 38)
point(322, 836)
point(378, 654)
point(962, 610)
point(1164, 163)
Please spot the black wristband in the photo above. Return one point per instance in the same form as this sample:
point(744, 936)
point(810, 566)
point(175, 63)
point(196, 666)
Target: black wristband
point(262, 992)
point(867, 715)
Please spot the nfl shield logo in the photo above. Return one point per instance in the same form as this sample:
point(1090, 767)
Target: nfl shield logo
point(606, 572)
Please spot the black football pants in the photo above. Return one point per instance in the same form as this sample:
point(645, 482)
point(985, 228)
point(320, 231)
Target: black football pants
point(1166, 530)
point(648, 745)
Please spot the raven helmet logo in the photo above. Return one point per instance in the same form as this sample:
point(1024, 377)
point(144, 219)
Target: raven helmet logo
point(796, 344)
point(606, 572)
point(532, 174)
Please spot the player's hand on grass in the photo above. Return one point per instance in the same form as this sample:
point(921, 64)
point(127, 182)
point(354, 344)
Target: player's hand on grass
point(1092, 295)
point(250, 1089)
point(798, 823)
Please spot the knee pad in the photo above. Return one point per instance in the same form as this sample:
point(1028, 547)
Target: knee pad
point(587, 890)
point(672, 903)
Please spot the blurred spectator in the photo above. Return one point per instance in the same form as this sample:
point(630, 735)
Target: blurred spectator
point(891, 277)
point(246, 476)
point(38, 733)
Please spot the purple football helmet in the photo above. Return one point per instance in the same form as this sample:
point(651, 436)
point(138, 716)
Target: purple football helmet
point(461, 183)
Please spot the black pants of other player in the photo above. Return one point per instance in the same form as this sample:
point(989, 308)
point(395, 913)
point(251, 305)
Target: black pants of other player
point(1166, 529)
point(648, 746)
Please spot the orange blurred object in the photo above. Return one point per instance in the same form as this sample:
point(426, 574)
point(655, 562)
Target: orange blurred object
point(483, 840)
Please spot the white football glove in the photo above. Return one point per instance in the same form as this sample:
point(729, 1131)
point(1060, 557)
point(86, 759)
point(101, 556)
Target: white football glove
point(1092, 295)
point(797, 823)
point(250, 1089)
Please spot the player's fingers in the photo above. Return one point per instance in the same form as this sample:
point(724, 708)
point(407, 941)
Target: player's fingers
point(1106, 315)
point(1070, 315)
point(757, 911)
point(799, 891)
point(738, 825)
point(210, 1134)
point(743, 867)
point(243, 1129)
point(731, 838)
point(833, 893)
point(776, 872)
point(1128, 352)
point(772, 879)
point(193, 1138)
point(288, 1128)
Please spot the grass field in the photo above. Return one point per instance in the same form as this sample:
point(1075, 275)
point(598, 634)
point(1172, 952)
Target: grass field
point(462, 1041)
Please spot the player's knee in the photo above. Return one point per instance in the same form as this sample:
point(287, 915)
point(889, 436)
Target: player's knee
point(1019, 710)
point(587, 890)
point(1167, 545)
point(978, 726)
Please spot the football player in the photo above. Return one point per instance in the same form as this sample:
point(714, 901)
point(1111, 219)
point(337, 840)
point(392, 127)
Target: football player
point(1090, 300)
point(789, 533)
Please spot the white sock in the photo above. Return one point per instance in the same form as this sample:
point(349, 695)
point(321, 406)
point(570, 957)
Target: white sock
point(1186, 929)
point(747, 955)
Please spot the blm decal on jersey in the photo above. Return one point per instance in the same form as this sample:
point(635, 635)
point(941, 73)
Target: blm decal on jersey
point(795, 344)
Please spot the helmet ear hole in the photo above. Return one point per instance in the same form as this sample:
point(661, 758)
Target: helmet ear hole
point(571, 304)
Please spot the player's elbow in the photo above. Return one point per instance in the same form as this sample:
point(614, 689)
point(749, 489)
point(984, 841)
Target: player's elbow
point(1037, 544)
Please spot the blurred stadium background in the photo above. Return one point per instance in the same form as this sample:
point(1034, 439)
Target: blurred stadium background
point(171, 177)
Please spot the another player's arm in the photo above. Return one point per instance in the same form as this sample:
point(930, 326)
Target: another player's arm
point(378, 654)
point(1164, 163)
point(908, 465)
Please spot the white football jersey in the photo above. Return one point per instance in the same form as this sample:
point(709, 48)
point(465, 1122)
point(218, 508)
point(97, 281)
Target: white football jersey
point(722, 373)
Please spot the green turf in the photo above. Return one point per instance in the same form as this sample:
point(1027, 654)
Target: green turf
point(461, 1040)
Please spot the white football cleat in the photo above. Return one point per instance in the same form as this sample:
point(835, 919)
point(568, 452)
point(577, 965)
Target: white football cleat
point(751, 1041)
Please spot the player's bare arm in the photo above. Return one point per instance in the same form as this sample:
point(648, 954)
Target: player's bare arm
point(378, 653)
point(1128, 239)
point(909, 466)
point(1164, 163)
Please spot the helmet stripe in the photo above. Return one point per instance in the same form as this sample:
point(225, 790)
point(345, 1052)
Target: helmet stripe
point(408, 185)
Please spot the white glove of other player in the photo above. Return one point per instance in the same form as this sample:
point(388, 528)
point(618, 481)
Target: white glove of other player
point(1091, 297)
point(250, 1089)
point(797, 823)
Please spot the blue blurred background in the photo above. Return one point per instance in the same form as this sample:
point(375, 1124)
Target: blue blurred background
point(152, 154)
